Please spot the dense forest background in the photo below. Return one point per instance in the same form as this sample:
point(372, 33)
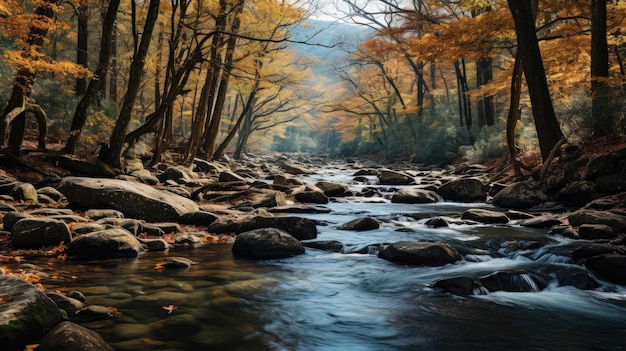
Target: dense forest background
point(425, 80)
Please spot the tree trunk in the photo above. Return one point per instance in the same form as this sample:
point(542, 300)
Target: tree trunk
point(112, 154)
point(514, 112)
point(219, 153)
point(82, 16)
point(22, 85)
point(548, 129)
point(484, 75)
point(213, 127)
point(601, 119)
point(96, 83)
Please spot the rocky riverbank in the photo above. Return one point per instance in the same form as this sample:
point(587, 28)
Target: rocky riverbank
point(256, 205)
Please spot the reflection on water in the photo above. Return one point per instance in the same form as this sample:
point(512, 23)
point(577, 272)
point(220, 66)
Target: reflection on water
point(333, 301)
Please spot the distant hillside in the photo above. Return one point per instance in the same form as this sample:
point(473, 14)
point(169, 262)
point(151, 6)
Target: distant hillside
point(327, 41)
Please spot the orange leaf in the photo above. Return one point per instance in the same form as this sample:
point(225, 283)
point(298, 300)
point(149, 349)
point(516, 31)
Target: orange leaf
point(5, 298)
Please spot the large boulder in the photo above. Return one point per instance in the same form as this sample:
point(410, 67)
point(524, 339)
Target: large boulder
point(333, 189)
point(609, 267)
point(266, 243)
point(361, 224)
point(519, 195)
point(463, 190)
point(388, 177)
point(26, 315)
point(103, 244)
point(299, 227)
point(68, 336)
point(135, 200)
point(585, 216)
point(415, 196)
point(485, 216)
point(419, 253)
point(33, 232)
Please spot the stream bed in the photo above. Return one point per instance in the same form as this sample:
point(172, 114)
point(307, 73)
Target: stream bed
point(349, 301)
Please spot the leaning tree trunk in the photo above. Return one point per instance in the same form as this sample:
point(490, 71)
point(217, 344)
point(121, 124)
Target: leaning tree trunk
point(548, 129)
point(113, 153)
point(97, 82)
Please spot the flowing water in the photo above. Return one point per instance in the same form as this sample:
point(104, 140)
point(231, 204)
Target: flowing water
point(349, 301)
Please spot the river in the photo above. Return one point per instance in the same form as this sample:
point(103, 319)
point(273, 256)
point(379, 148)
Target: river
point(349, 301)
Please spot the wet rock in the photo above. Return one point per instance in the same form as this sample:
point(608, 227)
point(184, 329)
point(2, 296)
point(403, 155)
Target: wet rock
point(485, 216)
point(609, 267)
point(388, 177)
point(294, 169)
point(287, 181)
point(463, 190)
point(7, 208)
point(584, 216)
point(519, 196)
point(39, 232)
point(462, 286)
point(419, 253)
point(27, 315)
point(415, 196)
point(268, 199)
point(514, 281)
point(84, 167)
point(266, 243)
point(51, 212)
point(578, 278)
point(165, 227)
point(361, 224)
point(198, 218)
point(66, 303)
point(587, 250)
point(564, 230)
point(577, 193)
point(135, 200)
point(299, 209)
point(326, 245)
point(437, 222)
point(68, 336)
point(24, 192)
point(228, 176)
point(601, 165)
point(365, 172)
point(151, 230)
point(514, 215)
point(612, 183)
point(207, 167)
point(10, 218)
point(187, 239)
point(301, 228)
point(133, 226)
point(310, 194)
point(109, 243)
point(69, 219)
point(51, 193)
point(175, 262)
point(87, 228)
point(177, 327)
point(332, 189)
point(543, 221)
point(155, 244)
point(596, 231)
point(103, 213)
point(177, 174)
point(94, 312)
